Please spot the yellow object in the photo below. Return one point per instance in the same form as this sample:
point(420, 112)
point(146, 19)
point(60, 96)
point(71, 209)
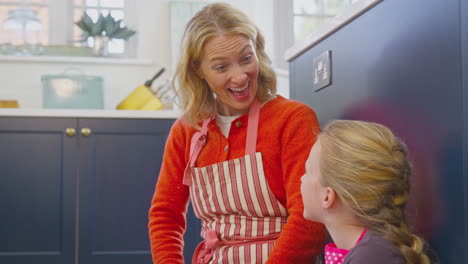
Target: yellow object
point(9, 104)
point(142, 98)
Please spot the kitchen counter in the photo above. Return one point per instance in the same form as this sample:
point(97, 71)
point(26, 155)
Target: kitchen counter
point(91, 113)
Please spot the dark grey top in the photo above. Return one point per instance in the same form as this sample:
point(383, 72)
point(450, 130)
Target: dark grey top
point(374, 249)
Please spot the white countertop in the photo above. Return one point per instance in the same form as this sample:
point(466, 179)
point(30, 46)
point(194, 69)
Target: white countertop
point(90, 113)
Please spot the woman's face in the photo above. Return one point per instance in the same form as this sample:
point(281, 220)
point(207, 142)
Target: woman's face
point(311, 188)
point(229, 65)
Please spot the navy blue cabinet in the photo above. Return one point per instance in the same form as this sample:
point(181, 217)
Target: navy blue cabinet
point(79, 197)
point(37, 190)
point(119, 164)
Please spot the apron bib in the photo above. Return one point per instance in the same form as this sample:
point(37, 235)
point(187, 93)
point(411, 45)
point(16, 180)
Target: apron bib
point(241, 217)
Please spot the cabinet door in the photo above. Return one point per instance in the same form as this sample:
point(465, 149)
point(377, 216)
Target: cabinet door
point(121, 161)
point(37, 190)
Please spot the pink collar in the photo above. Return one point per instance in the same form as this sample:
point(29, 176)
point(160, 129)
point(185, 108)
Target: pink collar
point(335, 255)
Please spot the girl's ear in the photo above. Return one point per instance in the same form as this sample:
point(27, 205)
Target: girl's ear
point(197, 69)
point(329, 197)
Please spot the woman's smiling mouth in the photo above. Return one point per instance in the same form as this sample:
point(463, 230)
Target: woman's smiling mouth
point(241, 92)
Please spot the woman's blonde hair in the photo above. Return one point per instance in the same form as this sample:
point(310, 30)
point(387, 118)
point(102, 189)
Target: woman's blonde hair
point(195, 96)
point(368, 168)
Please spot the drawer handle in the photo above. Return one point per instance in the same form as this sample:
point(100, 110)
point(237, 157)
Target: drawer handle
point(85, 132)
point(70, 132)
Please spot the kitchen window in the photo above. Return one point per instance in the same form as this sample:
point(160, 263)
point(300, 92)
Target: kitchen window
point(316, 20)
point(95, 7)
point(57, 19)
point(297, 19)
point(39, 7)
point(310, 14)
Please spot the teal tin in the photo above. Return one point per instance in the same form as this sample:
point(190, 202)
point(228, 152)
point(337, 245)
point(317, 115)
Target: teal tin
point(72, 91)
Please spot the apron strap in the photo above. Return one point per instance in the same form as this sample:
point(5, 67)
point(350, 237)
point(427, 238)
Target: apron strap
point(200, 137)
point(252, 128)
point(205, 250)
point(196, 145)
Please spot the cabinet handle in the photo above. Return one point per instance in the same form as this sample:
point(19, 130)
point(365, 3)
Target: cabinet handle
point(70, 132)
point(85, 131)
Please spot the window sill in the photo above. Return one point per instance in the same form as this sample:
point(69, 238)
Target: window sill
point(69, 59)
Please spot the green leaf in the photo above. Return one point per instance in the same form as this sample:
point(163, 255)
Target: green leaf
point(85, 36)
point(116, 31)
point(109, 25)
point(97, 30)
point(117, 27)
point(124, 33)
point(110, 19)
point(88, 23)
point(104, 26)
point(82, 26)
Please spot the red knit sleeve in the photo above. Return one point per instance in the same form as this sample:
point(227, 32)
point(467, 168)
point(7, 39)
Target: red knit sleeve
point(167, 213)
point(300, 240)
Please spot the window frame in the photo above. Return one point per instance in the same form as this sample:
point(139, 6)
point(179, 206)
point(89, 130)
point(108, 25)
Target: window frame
point(326, 29)
point(284, 36)
point(319, 14)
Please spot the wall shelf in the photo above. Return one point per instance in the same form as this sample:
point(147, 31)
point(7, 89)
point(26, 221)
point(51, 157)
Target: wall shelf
point(70, 59)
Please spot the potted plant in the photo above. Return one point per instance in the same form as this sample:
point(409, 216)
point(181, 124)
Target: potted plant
point(103, 30)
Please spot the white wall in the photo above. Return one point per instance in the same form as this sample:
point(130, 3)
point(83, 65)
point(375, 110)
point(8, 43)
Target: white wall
point(21, 80)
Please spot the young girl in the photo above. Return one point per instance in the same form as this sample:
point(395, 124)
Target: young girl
point(357, 184)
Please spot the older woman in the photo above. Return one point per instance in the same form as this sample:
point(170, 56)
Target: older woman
point(237, 153)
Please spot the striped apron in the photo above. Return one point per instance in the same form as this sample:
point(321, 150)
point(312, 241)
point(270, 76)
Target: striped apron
point(241, 218)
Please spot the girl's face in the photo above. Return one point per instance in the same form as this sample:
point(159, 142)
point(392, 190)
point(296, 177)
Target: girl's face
point(311, 188)
point(229, 65)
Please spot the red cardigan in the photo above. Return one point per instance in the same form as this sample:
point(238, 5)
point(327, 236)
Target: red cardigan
point(287, 130)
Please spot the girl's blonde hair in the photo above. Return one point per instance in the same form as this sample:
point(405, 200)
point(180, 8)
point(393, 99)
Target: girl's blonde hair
point(368, 168)
point(195, 96)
